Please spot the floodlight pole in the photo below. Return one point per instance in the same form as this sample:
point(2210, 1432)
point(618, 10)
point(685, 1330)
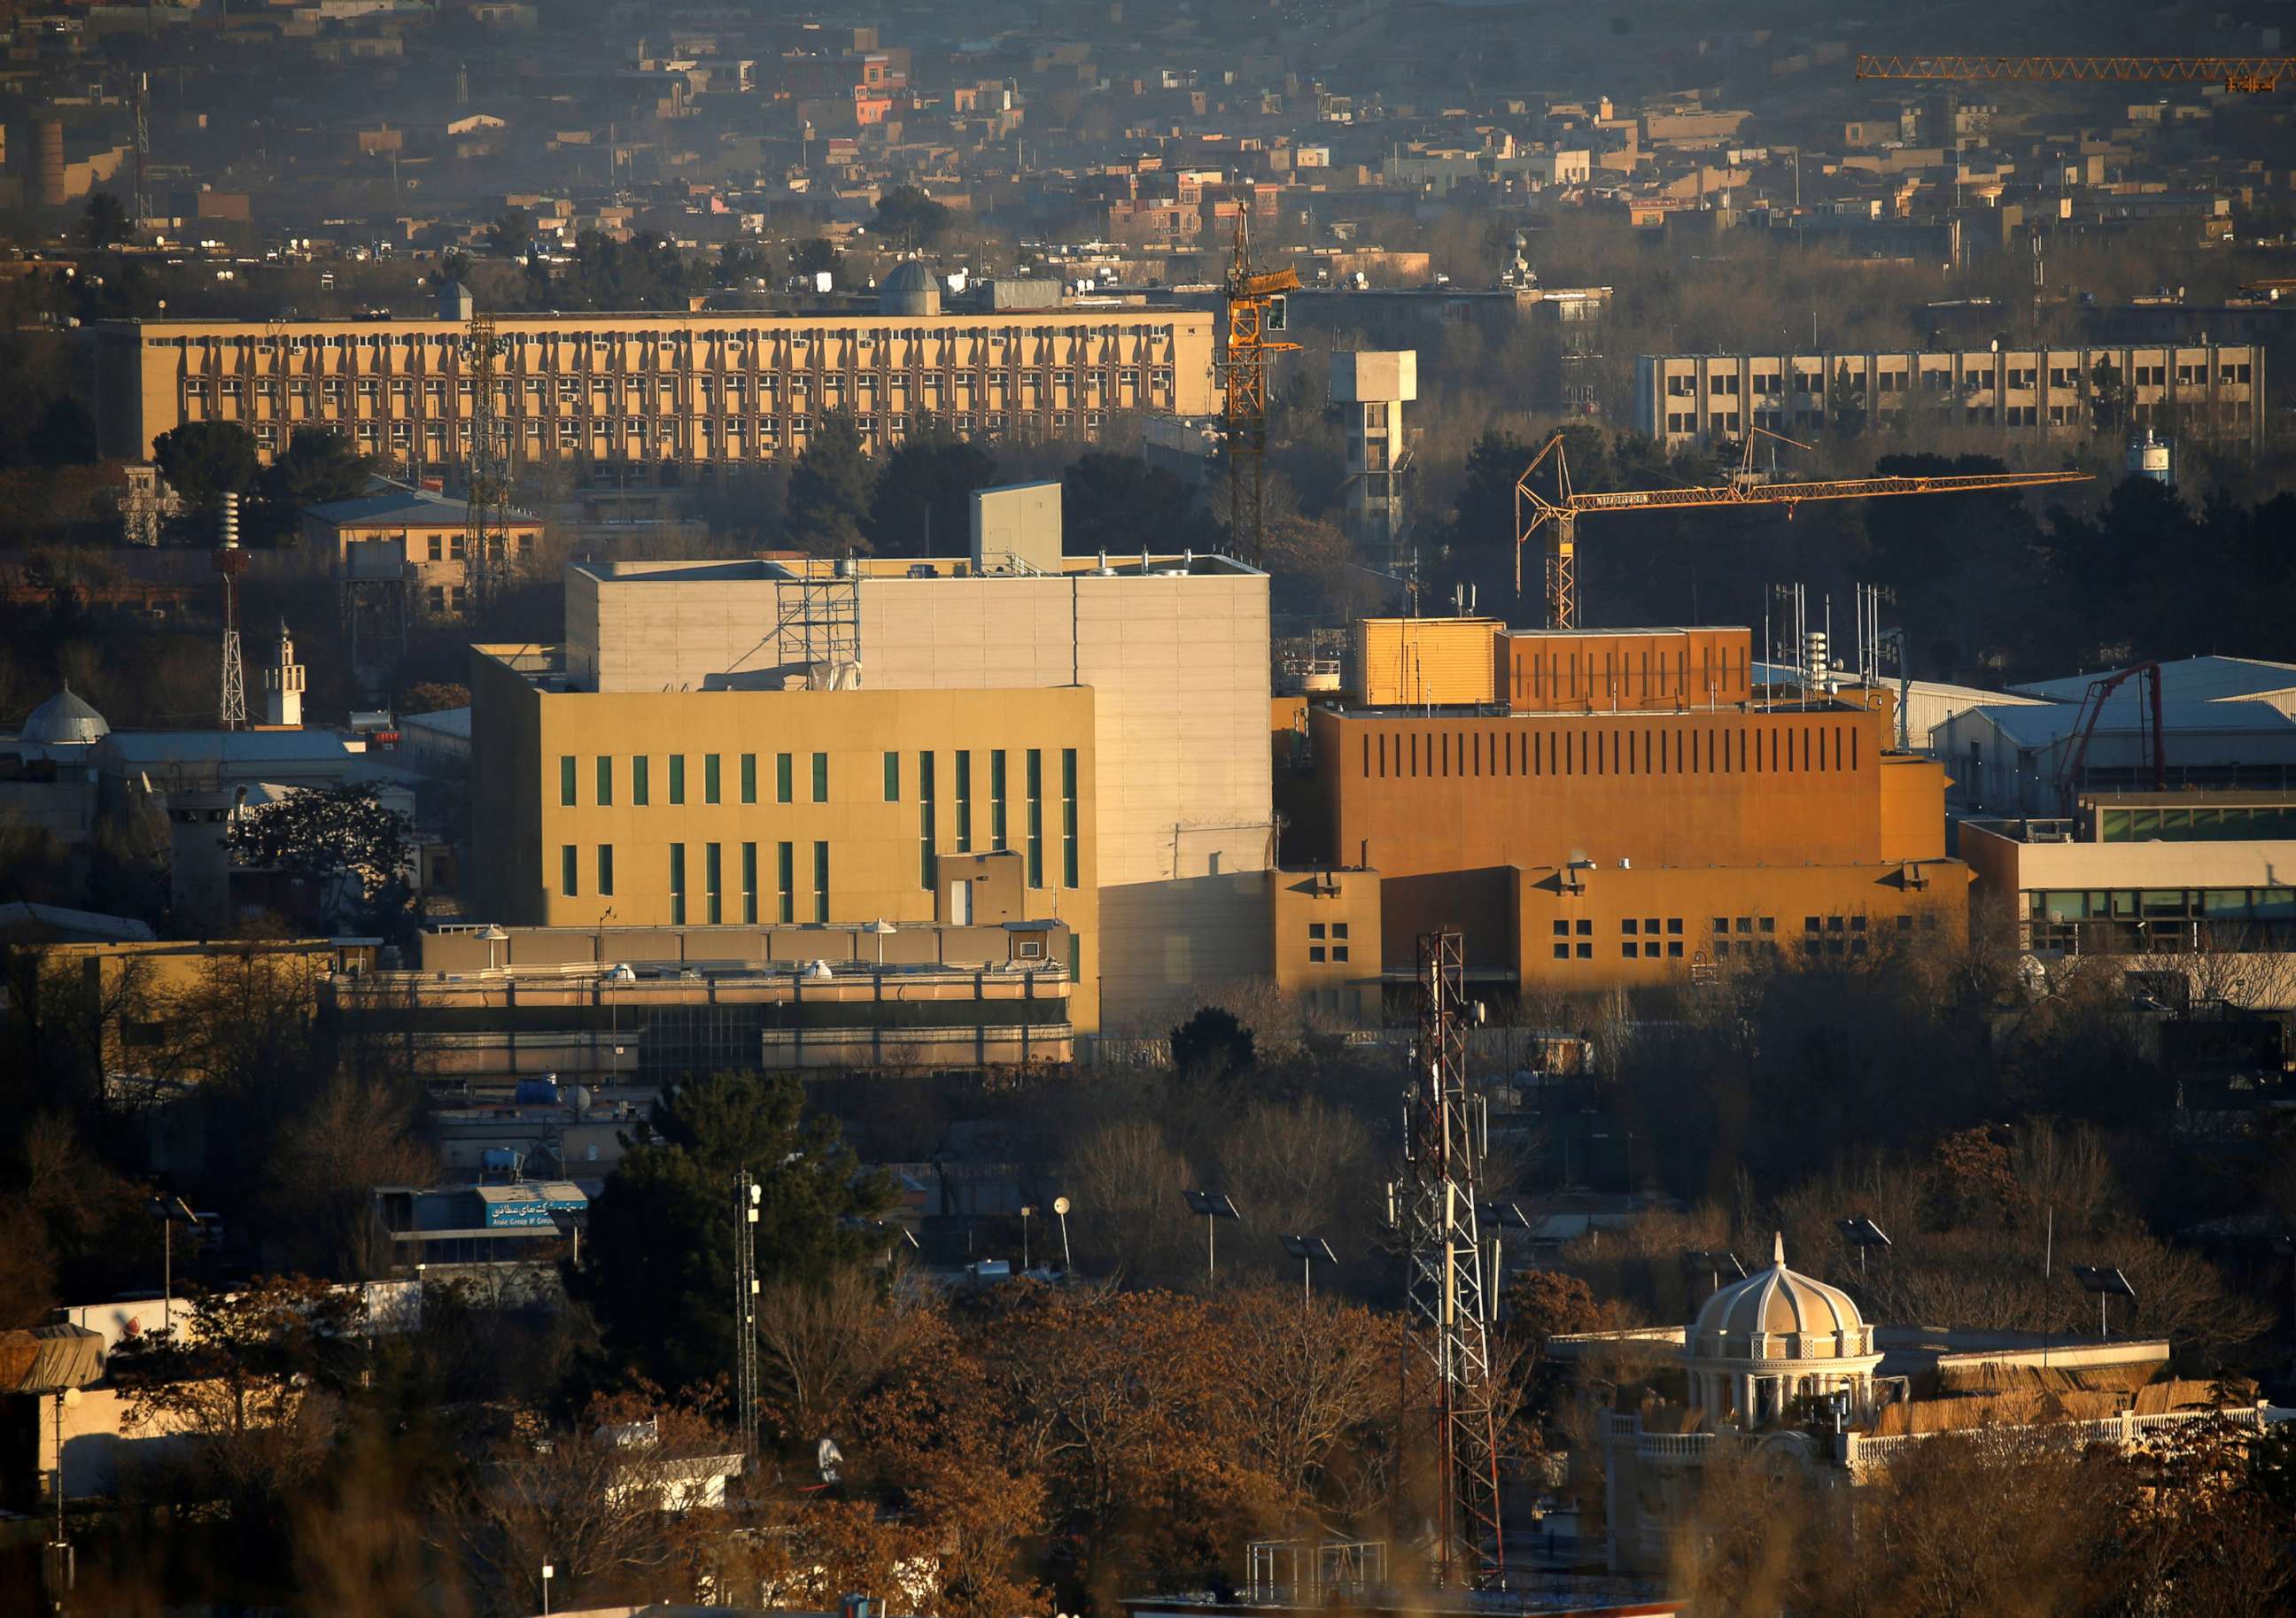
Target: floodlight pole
point(167, 1276)
point(1067, 1265)
point(1212, 1247)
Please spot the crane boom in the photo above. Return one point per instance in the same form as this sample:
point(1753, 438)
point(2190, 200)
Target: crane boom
point(2248, 75)
point(1534, 510)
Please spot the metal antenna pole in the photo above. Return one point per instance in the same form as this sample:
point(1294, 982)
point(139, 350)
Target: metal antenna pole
point(1448, 1367)
point(230, 561)
point(745, 1306)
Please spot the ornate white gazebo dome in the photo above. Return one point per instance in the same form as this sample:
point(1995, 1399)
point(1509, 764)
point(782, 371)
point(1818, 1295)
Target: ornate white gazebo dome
point(1778, 1336)
point(64, 721)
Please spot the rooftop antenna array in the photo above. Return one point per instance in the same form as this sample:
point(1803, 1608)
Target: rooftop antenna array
point(230, 561)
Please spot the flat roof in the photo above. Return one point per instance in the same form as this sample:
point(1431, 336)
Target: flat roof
point(1201, 564)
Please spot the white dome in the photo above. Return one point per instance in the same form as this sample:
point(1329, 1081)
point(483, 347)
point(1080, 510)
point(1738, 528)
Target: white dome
point(64, 721)
point(1778, 1315)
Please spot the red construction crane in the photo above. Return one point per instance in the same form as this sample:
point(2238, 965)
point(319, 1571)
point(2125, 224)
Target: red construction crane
point(2150, 737)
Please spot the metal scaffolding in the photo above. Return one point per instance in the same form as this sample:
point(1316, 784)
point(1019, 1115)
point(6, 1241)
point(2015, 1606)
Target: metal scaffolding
point(1446, 1366)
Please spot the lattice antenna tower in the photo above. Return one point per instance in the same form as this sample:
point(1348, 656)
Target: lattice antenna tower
point(230, 561)
point(486, 538)
point(1256, 306)
point(142, 200)
point(1446, 1368)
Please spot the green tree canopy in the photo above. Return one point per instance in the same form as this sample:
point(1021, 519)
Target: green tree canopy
point(910, 217)
point(1118, 503)
point(331, 835)
point(923, 501)
point(104, 224)
point(204, 461)
point(814, 255)
point(829, 489)
point(317, 466)
point(659, 1259)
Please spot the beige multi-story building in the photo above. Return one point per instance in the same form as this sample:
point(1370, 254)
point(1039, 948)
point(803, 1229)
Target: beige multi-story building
point(987, 684)
point(2213, 390)
point(625, 392)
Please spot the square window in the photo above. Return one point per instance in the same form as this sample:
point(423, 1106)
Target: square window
point(1905, 924)
point(1315, 929)
point(1339, 951)
point(1629, 950)
point(1721, 948)
point(1627, 927)
point(1585, 952)
point(1562, 952)
point(1562, 930)
point(1746, 924)
point(1809, 924)
point(1674, 950)
point(1339, 929)
point(1721, 924)
point(1650, 949)
point(1650, 926)
point(1674, 924)
point(1314, 951)
point(1585, 929)
point(1833, 924)
point(1857, 924)
point(1769, 924)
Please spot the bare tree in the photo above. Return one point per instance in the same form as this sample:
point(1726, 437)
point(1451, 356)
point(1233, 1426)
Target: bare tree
point(822, 1346)
point(1125, 1182)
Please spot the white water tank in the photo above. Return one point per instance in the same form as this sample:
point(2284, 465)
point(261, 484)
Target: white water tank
point(2152, 457)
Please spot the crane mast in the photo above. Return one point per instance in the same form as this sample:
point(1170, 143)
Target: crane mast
point(1255, 307)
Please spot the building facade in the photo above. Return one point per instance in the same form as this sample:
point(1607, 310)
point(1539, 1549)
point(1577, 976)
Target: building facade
point(2215, 390)
point(1620, 809)
point(626, 393)
point(415, 534)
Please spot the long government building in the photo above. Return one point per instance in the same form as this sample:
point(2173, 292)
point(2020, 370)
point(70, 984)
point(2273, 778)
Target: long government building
point(633, 391)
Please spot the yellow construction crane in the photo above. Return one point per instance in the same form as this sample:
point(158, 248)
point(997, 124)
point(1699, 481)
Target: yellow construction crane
point(1255, 307)
point(2243, 75)
point(1534, 510)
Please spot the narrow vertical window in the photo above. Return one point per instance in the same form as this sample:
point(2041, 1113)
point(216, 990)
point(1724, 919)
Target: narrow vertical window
point(638, 782)
point(892, 778)
point(965, 803)
point(996, 800)
point(677, 778)
point(567, 886)
point(1036, 818)
point(1067, 817)
point(928, 808)
point(709, 783)
point(748, 778)
point(605, 871)
point(713, 880)
point(821, 882)
point(605, 781)
point(785, 881)
point(566, 780)
point(782, 788)
point(750, 884)
point(820, 778)
point(677, 885)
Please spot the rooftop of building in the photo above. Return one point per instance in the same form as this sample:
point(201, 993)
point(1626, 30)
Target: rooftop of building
point(795, 569)
point(2209, 679)
point(513, 319)
point(396, 506)
point(2044, 724)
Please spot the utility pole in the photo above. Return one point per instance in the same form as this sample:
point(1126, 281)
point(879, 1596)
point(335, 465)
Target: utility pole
point(747, 1194)
point(1447, 1370)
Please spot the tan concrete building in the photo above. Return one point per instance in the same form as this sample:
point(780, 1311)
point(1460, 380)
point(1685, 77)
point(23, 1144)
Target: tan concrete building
point(2215, 390)
point(412, 532)
point(628, 391)
point(1174, 649)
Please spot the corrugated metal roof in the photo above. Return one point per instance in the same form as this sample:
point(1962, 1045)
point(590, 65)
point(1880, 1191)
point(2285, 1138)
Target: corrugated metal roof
point(2186, 679)
point(2039, 726)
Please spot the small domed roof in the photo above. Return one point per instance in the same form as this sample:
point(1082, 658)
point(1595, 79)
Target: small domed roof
point(64, 721)
point(1743, 1320)
point(910, 288)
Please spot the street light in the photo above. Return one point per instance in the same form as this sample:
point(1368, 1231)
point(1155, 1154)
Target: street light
point(548, 1573)
point(1027, 1214)
point(59, 1550)
point(1863, 1234)
point(1060, 1212)
point(1215, 1206)
point(494, 934)
point(1309, 1250)
point(170, 1211)
point(1715, 1263)
point(2106, 1282)
point(883, 929)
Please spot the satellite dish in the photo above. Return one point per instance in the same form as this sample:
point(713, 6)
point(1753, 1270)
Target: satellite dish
point(828, 1458)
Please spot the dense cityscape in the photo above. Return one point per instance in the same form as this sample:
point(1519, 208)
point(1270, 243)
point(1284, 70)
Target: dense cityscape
point(1432, 808)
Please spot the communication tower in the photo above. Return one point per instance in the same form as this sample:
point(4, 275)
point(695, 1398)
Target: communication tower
point(1256, 307)
point(230, 561)
point(486, 538)
point(747, 1194)
point(1447, 1365)
point(143, 199)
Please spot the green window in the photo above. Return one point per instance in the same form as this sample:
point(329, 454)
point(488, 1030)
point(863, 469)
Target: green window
point(677, 885)
point(821, 882)
point(748, 778)
point(605, 781)
point(677, 778)
point(639, 780)
point(605, 871)
point(965, 803)
point(713, 880)
point(1067, 817)
point(820, 778)
point(782, 778)
point(785, 877)
point(928, 866)
point(566, 883)
point(1075, 959)
point(996, 800)
point(1036, 818)
point(566, 780)
point(709, 778)
point(750, 883)
point(892, 778)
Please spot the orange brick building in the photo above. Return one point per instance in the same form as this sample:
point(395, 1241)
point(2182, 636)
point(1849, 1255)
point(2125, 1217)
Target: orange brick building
point(1625, 807)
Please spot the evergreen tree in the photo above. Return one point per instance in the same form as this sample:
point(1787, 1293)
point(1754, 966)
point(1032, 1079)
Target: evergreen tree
point(829, 489)
point(659, 1258)
point(923, 502)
